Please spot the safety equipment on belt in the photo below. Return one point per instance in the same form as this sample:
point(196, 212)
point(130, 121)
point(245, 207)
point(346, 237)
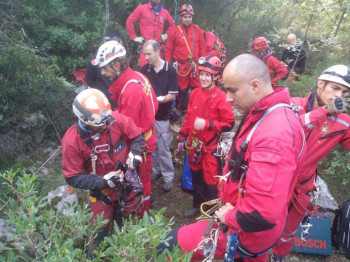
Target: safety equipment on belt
point(163, 37)
point(133, 161)
point(114, 179)
point(139, 39)
point(260, 43)
point(108, 52)
point(337, 74)
point(92, 107)
point(160, 98)
point(339, 104)
point(130, 200)
point(186, 9)
point(210, 64)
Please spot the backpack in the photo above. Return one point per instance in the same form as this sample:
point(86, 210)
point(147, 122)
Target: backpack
point(341, 228)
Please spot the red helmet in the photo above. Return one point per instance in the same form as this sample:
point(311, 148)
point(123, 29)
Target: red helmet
point(186, 9)
point(210, 64)
point(260, 43)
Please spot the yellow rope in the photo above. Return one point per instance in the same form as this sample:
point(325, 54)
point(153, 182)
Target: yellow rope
point(215, 203)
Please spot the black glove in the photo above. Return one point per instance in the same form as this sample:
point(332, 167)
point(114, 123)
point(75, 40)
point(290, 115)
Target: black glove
point(339, 104)
point(114, 179)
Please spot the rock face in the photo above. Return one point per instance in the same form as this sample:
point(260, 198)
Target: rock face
point(7, 237)
point(62, 198)
point(327, 205)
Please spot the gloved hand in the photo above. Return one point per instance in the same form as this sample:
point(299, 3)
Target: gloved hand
point(163, 37)
point(160, 98)
point(114, 178)
point(133, 161)
point(339, 104)
point(139, 39)
point(199, 123)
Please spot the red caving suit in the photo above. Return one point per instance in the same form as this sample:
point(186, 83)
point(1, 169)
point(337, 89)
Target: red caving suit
point(177, 50)
point(76, 159)
point(151, 25)
point(323, 133)
point(276, 69)
point(273, 157)
point(136, 99)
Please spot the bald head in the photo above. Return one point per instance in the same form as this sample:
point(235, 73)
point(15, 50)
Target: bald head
point(291, 39)
point(152, 43)
point(248, 67)
point(247, 81)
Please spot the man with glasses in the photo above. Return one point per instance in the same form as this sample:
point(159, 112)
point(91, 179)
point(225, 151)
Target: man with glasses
point(326, 124)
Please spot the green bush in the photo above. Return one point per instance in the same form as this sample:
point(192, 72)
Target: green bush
point(42, 233)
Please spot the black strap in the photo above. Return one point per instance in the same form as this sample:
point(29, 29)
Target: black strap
point(100, 196)
point(86, 138)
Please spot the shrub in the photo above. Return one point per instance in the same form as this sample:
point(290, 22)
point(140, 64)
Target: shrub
point(42, 233)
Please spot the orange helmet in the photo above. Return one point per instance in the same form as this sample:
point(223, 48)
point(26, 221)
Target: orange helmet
point(92, 107)
point(186, 9)
point(260, 43)
point(210, 64)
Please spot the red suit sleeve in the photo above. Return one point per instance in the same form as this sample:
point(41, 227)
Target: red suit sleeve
point(170, 22)
point(169, 46)
point(201, 44)
point(187, 125)
point(269, 177)
point(130, 22)
point(279, 69)
point(72, 159)
point(226, 121)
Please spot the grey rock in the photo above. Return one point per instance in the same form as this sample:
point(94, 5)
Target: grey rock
point(327, 205)
point(64, 199)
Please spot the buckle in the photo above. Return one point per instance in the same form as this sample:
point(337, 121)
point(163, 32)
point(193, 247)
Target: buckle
point(102, 148)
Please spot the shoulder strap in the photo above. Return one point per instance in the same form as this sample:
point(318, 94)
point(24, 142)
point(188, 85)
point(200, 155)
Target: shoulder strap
point(268, 111)
point(188, 47)
point(146, 85)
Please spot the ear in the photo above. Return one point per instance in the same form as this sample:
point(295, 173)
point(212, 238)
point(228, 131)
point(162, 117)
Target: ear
point(255, 85)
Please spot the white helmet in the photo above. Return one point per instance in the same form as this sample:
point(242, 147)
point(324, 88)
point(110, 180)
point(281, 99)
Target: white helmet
point(92, 107)
point(108, 52)
point(338, 74)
